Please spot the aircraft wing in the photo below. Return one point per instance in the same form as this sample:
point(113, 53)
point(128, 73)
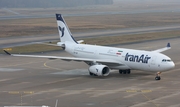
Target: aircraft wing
point(102, 61)
point(163, 49)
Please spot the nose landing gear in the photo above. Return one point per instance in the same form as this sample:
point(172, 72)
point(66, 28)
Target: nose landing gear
point(158, 76)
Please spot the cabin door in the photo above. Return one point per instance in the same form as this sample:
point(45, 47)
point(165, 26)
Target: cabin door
point(153, 60)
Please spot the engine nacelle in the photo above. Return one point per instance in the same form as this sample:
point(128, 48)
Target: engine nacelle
point(99, 70)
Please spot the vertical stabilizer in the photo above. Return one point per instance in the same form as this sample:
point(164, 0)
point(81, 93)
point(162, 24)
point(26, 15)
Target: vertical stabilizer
point(64, 32)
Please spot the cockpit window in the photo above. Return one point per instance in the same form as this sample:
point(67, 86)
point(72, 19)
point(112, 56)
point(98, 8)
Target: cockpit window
point(166, 60)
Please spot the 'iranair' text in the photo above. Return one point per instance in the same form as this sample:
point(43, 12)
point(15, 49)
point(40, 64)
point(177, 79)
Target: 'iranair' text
point(136, 58)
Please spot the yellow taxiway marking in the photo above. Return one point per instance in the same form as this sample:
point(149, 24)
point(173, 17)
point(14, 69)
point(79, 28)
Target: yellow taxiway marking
point(149, 99)
point(131, 91)
point(13, 92)
point(45, 64)
point(8, 49)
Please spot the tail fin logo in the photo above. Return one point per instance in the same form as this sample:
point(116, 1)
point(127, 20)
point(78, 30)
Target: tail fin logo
point(62, 31)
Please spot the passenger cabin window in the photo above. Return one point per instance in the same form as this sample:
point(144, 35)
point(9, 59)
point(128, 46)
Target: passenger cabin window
point(168, 60)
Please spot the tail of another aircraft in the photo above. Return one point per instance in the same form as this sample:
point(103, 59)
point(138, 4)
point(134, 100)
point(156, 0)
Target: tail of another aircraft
point(64, 32)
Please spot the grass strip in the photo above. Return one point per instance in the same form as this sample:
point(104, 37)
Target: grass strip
point(107, 40)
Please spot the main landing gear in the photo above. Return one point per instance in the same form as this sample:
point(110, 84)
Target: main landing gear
point(158, 76)
point(127, 71)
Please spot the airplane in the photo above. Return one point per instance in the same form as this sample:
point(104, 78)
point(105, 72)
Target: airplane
point(102, 59)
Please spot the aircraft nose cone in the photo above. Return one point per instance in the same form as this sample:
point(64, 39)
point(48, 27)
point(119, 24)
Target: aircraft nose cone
point(172, 65)
point(168, 66)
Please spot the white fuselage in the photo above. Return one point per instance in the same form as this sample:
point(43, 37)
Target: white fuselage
point(131, 59)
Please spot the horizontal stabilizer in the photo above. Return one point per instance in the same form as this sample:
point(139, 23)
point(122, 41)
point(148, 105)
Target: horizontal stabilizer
point(45, 43)
point(62, 44)
point(80, 41)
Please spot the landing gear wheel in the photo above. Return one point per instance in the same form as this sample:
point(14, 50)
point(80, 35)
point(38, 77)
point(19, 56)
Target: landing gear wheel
point(158, 76)
point(120, 71)
point(124, 72)
point(128, 71)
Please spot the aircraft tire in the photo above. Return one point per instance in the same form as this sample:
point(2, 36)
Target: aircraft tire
point(124, 72)
point(120, 71)
point(128, 71)
point(157, 78)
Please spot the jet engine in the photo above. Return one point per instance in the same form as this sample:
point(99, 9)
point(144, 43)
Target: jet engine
point(99, 70)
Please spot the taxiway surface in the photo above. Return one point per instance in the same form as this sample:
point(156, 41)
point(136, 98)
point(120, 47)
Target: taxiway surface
point(33, 81)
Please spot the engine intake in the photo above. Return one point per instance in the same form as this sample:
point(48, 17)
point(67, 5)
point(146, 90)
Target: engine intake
point(99, 70)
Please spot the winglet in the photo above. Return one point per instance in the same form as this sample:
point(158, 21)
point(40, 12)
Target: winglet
point(6, 52)
point(163, 49)
point(56, 103)
point(168, 45)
